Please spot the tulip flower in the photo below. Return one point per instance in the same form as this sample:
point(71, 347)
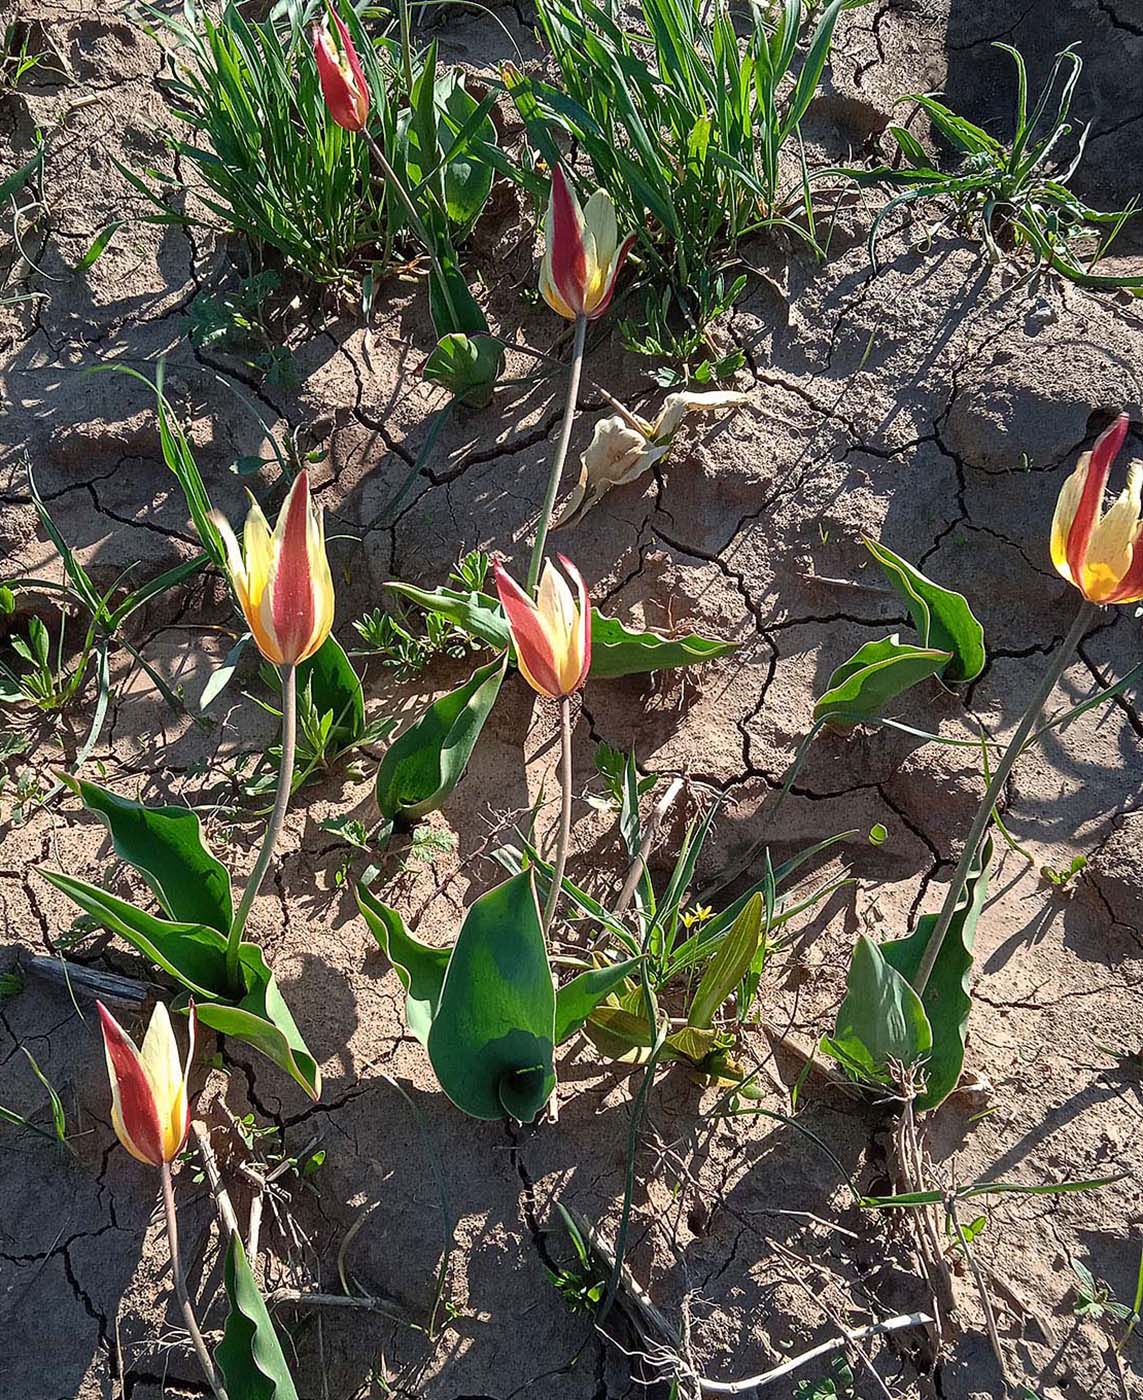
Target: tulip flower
point(283, 584)
point(552, 635)
point(1101, 554)
point(340, 73)
point(582, 253)
point(150, 1111)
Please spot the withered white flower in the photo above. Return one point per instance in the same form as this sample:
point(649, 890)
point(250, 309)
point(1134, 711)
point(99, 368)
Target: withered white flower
point(625, 447)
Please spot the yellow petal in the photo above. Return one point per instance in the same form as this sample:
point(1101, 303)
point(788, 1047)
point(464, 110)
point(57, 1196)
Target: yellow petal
point(259, 553)
point(601, 238)
point(160, 1056)
point(1112, 543)
point(1066, 506)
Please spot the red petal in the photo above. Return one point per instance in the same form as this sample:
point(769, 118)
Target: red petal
point(584, 616)
point(1104, 452)
point(348, 102)
point(568, 259)
point(292, 605)
point(136, 1101)
point(533, 648)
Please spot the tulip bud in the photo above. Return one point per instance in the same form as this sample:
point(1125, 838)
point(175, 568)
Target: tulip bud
point(1101, 554)
point(339, 70)
point(150, 1111)
point(582, 253)
point(552, 635)
point(283, 585)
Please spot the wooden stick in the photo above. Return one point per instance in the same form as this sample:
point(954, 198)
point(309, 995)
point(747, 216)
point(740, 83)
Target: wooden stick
point(108, 986)
point(217, 1186)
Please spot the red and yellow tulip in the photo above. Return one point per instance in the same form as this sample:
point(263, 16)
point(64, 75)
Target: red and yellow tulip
point(340, 73)
point(582, 253)
point(1101, 553)
point(150, 1110)
point(552, 635)
point(283, 583)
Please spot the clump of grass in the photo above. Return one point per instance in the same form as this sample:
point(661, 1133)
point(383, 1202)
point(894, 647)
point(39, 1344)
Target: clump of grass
point(1015, 197)
point(689, 128)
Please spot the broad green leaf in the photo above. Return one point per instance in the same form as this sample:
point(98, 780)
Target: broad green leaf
point(193, 954)
point(881, 1019)
point(420, 967)
point(618, 1034)
point(423, 765)
point(946, 999)
point(617, 650)
point(250, 1355)
point(729, 965)
point(941, 616)
point(692, 1043)
point(468, 178)
point(875, 675)
point(164, 844)
point(262, 1019)
point(451, 304)
point(492, 1038)
point(577, 999)
point(335, 689)
point(475, 613)
point(467, 365)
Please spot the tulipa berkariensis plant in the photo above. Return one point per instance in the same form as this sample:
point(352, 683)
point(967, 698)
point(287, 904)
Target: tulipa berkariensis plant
point(907, 1005)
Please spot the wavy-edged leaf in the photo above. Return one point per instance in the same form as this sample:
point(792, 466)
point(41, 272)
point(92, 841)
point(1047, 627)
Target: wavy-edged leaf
point(193, 954)
point(423, 765)
point(946, 998)
point(262, 1019)
point(618, 650)
point(875, 675)
point(492, 1038)
point(420, 967)
point(881, 1019)
point(335, 689)
point(165, 845)
point(941, 616)
point(577, 999)
point(475, 613)
point(250, 1355)
point(619, 1034)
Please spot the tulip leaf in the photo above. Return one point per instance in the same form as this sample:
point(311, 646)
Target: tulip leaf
point(452, 306)
point(941, 616)
point(475, 613)
point(423, 765)
point(262, 1019)
point(467, 177)
point(946, 998)
point(192, 953)
point(881, 1019)
point(250, 1355)
point(164, 844)
point(420, 967)
point(728, 966)
point(619, 1034)
point(492, 1038)
point(873, 676)
point(577, 999)
point(617, 650)
point(335, 689)
point(467, 365)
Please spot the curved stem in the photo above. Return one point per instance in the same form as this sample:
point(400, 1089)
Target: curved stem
point(984, 815)
point(181, 1293)
point(565, 813)
point(289, 676)
point(560, 458)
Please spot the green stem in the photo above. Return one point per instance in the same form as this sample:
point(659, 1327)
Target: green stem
point(289, 676)
point(560, 458)
point(419, 226)
point(406, 47)
point(565, 813)
point(1059, 665)
point(181, 1293)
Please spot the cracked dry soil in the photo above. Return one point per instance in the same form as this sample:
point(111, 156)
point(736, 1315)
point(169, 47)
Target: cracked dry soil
point(937, 405)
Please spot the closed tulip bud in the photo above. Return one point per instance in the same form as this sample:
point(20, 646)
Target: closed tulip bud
point(340, 73)
point(552, 635)
point(582, 253)
point(150, 1111)
point(283, 584)
point(1101, 554)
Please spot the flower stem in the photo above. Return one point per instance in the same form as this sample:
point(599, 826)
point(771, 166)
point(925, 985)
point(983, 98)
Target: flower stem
point(289, 676)
point(418, 224)
point(181, 1285)
point(1051, 678)
point(565, 812)
point(560, 458)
